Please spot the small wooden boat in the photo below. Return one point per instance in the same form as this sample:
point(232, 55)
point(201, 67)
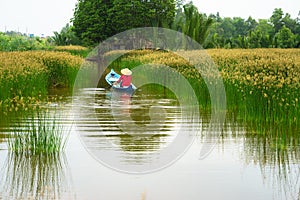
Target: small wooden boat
point(112, 77)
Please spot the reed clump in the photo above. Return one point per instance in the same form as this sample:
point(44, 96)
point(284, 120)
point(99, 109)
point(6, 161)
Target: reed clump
point(40, 133)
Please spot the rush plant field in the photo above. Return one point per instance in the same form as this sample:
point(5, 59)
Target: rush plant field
point(28, 75)
point(261, 84)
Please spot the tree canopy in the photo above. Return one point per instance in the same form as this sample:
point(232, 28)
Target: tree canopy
point(96, 20)
point(280, 30)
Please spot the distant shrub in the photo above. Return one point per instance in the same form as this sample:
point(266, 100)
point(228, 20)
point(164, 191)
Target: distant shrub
point(19, 42)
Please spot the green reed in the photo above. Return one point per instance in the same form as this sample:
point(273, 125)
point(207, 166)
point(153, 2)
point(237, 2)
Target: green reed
point(255, 106)
point(40, 133)
point(255, 91)
point(26, 77)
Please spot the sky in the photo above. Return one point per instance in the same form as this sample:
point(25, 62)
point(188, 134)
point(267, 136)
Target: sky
point(43, 17)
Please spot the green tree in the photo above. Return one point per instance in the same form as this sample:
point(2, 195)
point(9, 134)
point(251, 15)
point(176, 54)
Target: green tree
point(91, 20)
point(142, 14)
point(240, 26)
point(96, 20)
point(291, 23)
point(255, 38)
point(276, 19)
point(285, 38)
point(267, 30)
point(15, 41)
point(194, 24)
point(66, 36)
point(250, 24)
point(297, 41)
point(227, 27)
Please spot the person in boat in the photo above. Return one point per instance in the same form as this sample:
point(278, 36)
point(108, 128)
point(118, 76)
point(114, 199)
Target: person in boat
point(125, 79)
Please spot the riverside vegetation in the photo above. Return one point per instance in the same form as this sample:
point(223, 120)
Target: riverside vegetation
point(25, 78)
point(262, 85)
point(262, 91)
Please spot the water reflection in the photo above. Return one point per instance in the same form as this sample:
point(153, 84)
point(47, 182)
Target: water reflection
point(40, 176)
point(278, 156)
point(273, 149)
point(2, 137)
point(266, 147)
point(133, 132)
point(119, 116)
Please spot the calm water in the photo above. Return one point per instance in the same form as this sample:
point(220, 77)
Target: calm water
point(123, 148)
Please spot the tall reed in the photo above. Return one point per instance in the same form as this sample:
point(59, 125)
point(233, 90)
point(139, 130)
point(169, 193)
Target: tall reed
point(262, 85)
point(40, 133)
point(25, 77)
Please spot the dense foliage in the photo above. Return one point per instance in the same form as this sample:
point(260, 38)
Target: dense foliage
point(94, 21)
point(192, 23)
point(65, 37)
point(279, 31)
point(13, 41)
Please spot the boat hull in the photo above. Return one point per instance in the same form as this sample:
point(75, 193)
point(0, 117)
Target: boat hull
point(122, 89)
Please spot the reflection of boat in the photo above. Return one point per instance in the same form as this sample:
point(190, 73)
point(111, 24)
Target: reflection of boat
point(112, 77)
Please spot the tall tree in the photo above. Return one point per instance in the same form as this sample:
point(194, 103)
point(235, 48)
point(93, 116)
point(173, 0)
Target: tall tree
point(66, 36)
point(290, 23)
point(90, 20)
point(240, 26)
point(128, 14)
point(227, 27)
point(285, 38)
point(250, 24)
point(276, 19)
point(95, 20)
point(194, 24)
point(267, 31)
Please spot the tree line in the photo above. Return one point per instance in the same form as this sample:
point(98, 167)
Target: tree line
point(95, 20)
point(279, 31)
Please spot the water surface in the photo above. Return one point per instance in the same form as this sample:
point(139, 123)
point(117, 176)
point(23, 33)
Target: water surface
point(241, 166)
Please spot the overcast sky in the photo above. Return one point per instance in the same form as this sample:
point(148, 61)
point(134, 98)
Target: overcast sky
point(45, 16)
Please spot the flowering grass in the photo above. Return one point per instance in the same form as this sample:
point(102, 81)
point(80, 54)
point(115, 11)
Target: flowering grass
point(263, 82)
point(262, 85)
point(74, 50)
point(26, 76)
